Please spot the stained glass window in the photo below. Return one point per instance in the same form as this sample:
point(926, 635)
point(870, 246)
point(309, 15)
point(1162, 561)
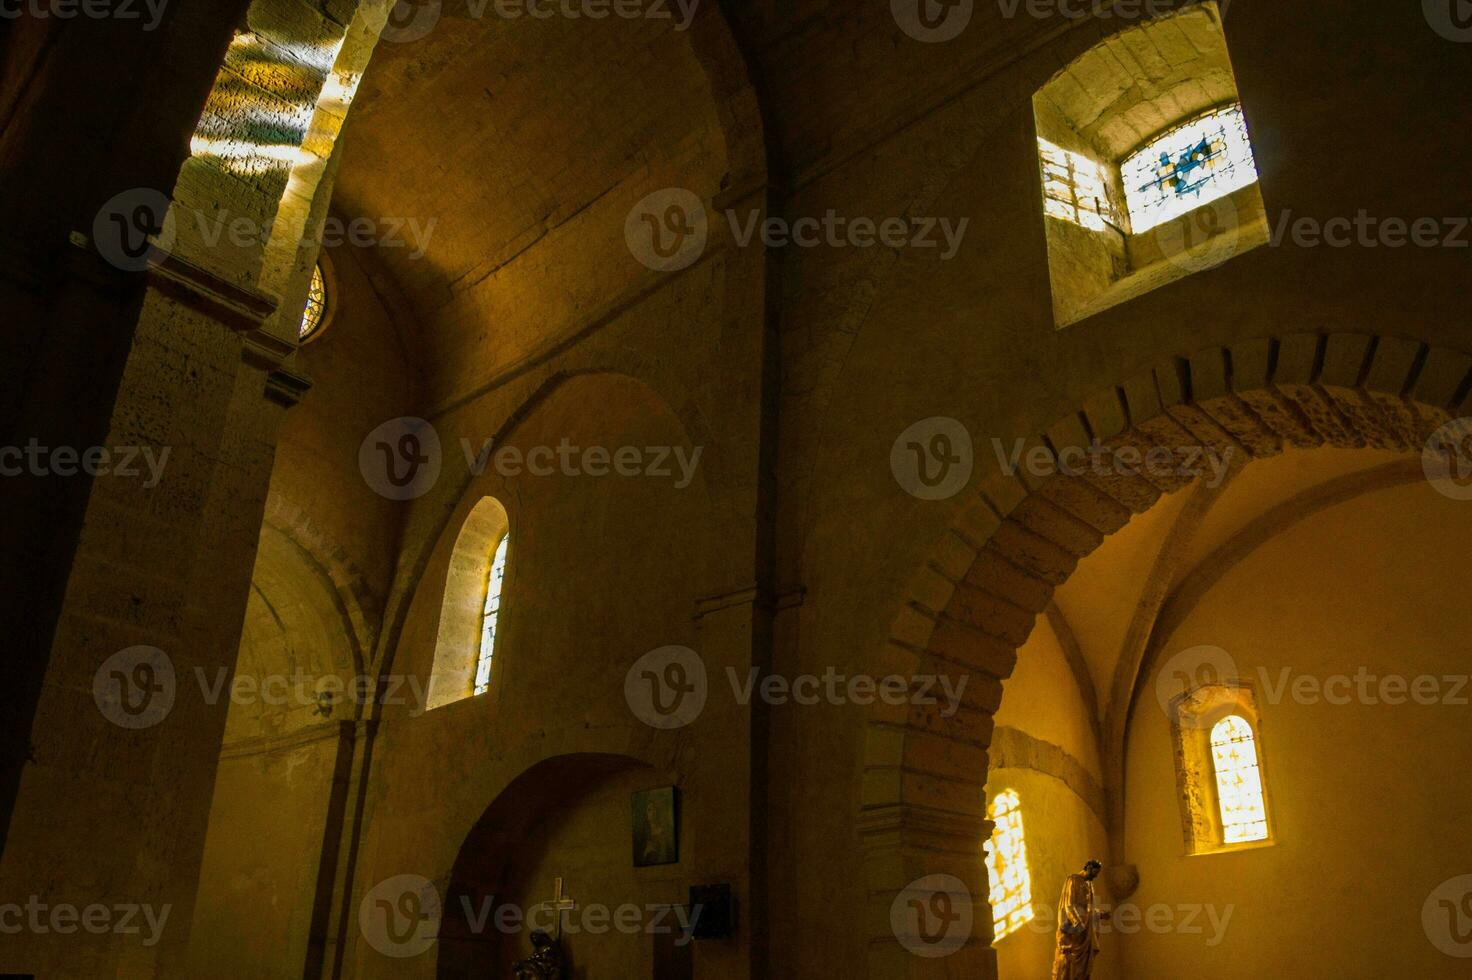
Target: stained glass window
point(1238, 781)
point(316, 304)
point(489, 617)
point(1191, 165)
point(1076, 188)
point(1006, 866)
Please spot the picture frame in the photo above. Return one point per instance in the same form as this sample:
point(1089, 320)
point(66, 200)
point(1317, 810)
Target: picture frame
point(656, 827)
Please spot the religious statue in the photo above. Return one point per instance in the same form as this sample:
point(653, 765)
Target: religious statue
point(1078, 926)
point(545, 963)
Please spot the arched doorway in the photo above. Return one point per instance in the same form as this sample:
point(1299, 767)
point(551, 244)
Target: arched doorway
point(564, 812)
point(1024, 535)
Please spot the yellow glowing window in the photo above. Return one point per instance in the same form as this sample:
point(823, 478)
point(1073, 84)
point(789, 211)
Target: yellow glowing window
point(1075, 188)
point(1238, 781)
point(316, 309)
point(1006, 866)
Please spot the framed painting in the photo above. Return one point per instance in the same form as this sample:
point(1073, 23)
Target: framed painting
point(656, 827)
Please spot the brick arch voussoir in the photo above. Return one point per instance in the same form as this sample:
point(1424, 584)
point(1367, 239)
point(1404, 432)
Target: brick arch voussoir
point(1013, 542)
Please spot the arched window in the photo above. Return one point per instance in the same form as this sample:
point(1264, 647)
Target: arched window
point(1190, 165)
point(488, 619)
point(1006, 866)
point(315, 314)
point(1238, 781)
point(470, 613)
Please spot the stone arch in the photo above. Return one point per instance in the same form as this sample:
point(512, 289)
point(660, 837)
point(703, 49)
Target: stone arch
point(484, 864)
point(1012, 543)
point(356, 600)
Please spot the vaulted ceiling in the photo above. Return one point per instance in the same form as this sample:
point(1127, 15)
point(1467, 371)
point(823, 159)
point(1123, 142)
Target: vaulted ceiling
point(1129, 592)
point(517, 147)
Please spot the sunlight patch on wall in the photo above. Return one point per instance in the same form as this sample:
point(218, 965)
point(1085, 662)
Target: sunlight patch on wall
point(1075, 188)
point(260, 112)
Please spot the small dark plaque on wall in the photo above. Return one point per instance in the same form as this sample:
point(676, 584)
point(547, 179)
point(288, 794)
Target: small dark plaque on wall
point(717, 911)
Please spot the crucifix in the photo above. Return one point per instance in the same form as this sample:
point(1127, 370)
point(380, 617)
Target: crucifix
point(560, 903)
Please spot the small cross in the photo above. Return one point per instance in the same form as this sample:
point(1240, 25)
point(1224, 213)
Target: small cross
point(560, 903)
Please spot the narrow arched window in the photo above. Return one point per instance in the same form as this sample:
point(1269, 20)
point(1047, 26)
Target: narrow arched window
point(1238, 781)
point(489, 616)
point(470, 612)
point(1006, 866)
